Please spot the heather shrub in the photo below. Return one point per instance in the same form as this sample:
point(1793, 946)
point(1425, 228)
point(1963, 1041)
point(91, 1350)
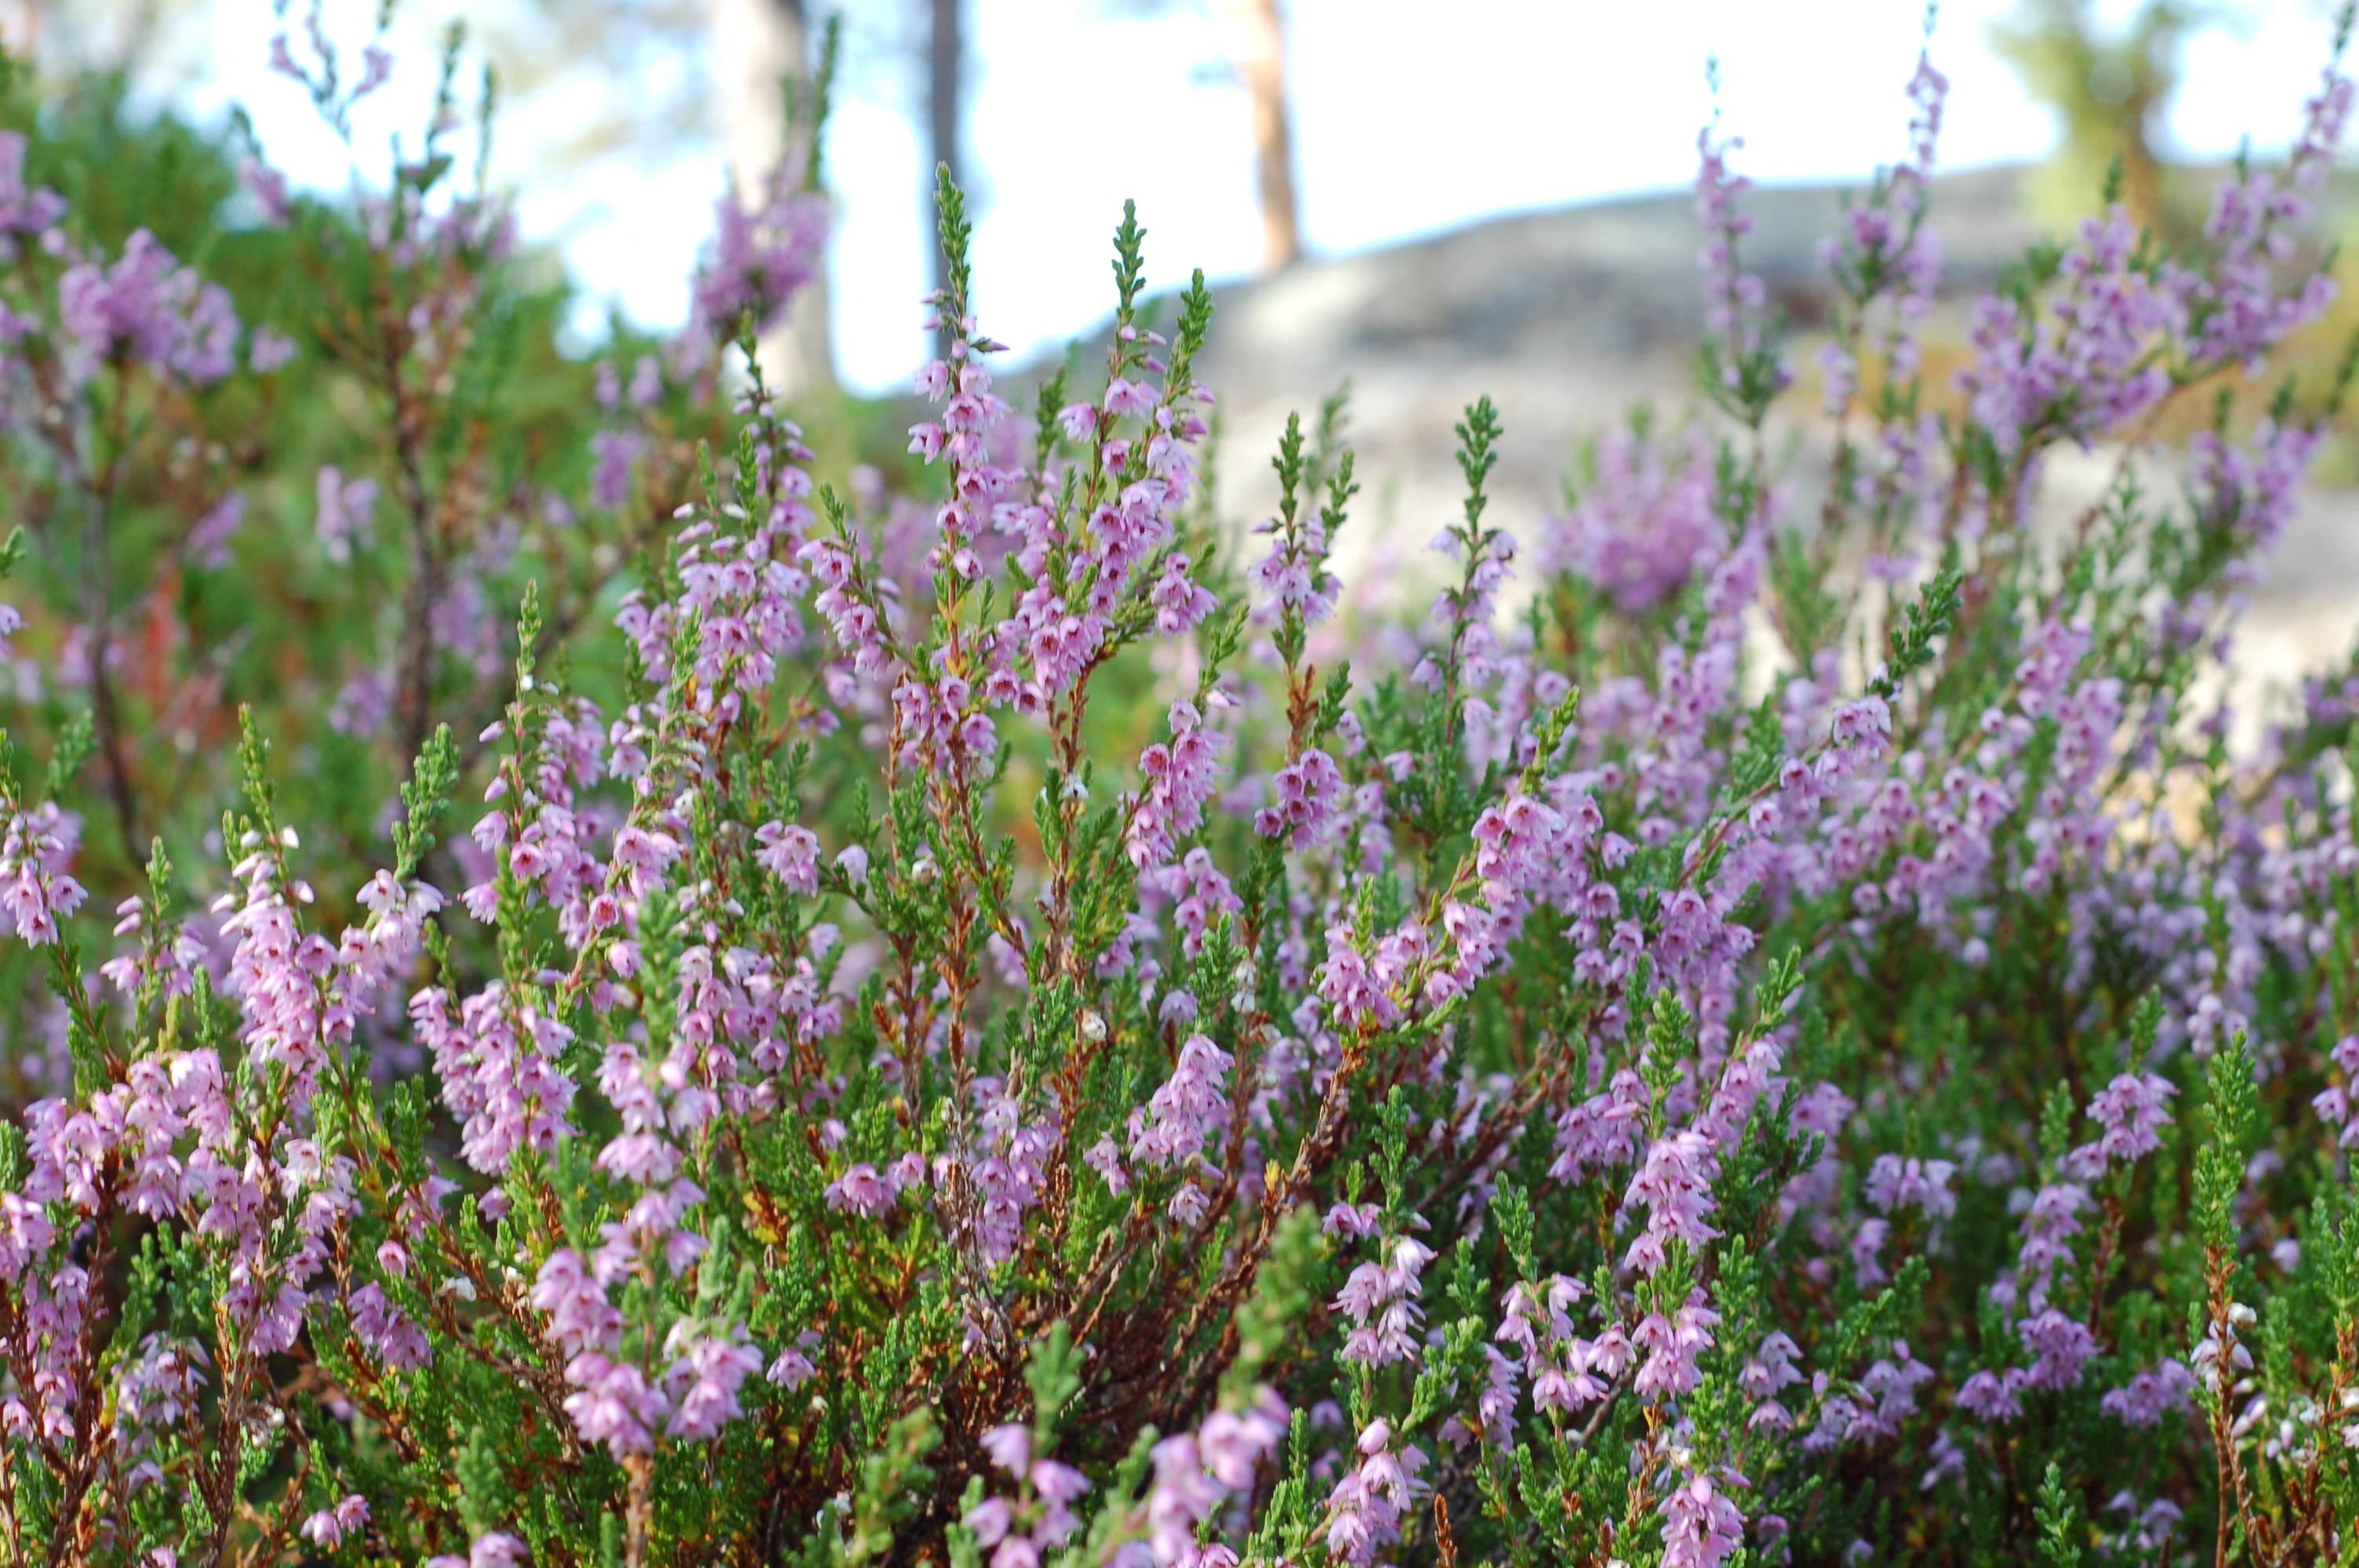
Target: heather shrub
point(735, 1012)
point(274, 450)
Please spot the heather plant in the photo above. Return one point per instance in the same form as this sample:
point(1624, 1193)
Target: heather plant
point(275, 449)
point(1786, 1033)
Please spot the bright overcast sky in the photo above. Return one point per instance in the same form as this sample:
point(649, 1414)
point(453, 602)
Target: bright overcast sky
point(1409, 117)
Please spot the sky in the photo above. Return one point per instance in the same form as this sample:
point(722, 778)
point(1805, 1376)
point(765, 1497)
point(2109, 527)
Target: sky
point(1410, 116)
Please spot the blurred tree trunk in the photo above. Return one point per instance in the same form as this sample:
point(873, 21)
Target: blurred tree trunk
point(2110, 91)
point(1257, 47)
point(757, 47)
point(945, 79)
